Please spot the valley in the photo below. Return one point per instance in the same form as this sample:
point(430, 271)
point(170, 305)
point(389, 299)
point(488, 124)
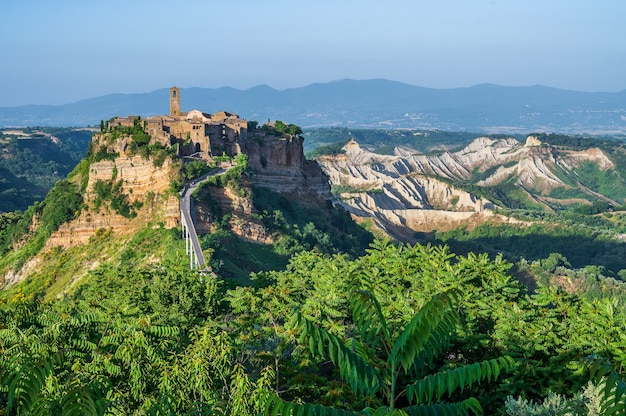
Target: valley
point(33, 159)
point(518, 240)
point(491, 183)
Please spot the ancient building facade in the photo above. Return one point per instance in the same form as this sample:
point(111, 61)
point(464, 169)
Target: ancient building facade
point(194, 132)
point(276, 159)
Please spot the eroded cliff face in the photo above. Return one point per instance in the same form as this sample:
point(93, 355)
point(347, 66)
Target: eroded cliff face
point(278, 163)
point(399, 200)
point(141, 182)
point(403, 191)
point(531, 163)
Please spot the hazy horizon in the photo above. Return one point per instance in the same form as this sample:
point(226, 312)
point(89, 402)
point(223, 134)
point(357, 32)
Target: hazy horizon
point(302, 86)
point(66, 51)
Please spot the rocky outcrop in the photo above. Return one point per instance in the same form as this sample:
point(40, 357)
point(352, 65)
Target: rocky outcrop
point(393, 183)
point(403, 190)
point(142, 182)
point(275, 154)
point(106, 142)
point(278, 163)
point(399, 200)
point(492, 160)
point(139, 176)
point(214, 202)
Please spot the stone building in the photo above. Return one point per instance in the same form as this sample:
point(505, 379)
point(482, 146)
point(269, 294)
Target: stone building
point(194, 132)
point(276, 159)
point(201, 133)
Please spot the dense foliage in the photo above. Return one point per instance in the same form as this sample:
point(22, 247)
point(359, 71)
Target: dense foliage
point(322, 321)
point(164, 340)
point(63, 203)
point(395, 372)
point(31, 162)
point(293, 226)
point(583, 240)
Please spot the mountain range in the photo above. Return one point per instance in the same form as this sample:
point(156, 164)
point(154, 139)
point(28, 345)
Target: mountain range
point(376, 103)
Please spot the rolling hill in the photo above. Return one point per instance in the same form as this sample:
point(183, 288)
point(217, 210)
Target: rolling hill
point(367, 103)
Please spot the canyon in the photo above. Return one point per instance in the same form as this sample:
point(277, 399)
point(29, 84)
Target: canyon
point(410, 192)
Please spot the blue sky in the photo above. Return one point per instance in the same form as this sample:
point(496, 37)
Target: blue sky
point(57, 52)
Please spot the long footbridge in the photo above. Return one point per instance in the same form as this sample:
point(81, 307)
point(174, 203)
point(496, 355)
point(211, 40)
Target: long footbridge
point(192, 244)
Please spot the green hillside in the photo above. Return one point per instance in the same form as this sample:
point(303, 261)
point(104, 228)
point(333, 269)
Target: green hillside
point(160, 339)
point(323, 319)
point(33, 159)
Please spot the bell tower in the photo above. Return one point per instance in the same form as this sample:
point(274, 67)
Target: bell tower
point(174, 101)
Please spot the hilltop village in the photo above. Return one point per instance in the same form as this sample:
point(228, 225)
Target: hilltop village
point(275, 149)
point(194, 132)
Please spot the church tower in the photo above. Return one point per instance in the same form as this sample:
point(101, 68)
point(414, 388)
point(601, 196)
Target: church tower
point(174, 101)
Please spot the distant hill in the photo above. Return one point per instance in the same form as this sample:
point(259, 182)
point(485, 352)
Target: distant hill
point(33, 160)
point(367, 104)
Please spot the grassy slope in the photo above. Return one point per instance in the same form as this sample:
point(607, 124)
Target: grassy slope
point(60, 269)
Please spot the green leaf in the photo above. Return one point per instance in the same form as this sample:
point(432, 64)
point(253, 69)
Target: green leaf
point(353, 369)
point(368, 317)
point(435, 319)
point(425, 390)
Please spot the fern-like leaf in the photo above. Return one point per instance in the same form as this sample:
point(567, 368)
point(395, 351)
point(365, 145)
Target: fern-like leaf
point(368, 317)
point(25, 381)
point(353, 368)
point(87, 399)
point(435, 321)
point(434, 386)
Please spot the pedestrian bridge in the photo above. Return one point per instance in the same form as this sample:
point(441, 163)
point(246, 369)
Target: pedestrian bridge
point(189, 234)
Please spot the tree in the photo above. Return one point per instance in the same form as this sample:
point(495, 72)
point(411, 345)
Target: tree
point(280, 127)
point(553, 261)
point(394, 375)
point(294, 129)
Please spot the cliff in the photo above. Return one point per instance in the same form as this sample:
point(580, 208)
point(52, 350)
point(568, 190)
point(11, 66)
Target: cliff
point(278, 163)
point(415, 191)
point(398, 203)
point(213, 203)
point(145, 187)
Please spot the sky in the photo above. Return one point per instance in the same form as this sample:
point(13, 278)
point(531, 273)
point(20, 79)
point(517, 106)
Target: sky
point(62, 51)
